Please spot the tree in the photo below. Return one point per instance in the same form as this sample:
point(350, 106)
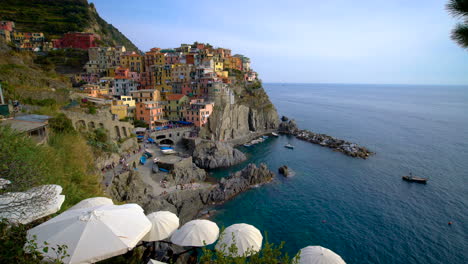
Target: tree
point(459, 9)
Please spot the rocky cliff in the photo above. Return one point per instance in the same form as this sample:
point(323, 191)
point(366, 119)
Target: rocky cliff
point(215, 154)
point(251, 114)
point(187, 204)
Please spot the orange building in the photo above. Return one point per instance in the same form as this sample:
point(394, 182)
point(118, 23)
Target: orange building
point(198, 112)
point(151, 113)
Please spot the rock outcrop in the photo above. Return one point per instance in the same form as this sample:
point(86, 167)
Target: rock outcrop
point(215, 154)
point(186, 171)
point(187, 204)
point(240, 181)
point(251, 113)
point(351, 149)
point(284, 170)
point(288, 126)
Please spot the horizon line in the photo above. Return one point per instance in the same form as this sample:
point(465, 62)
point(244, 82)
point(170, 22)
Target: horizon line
point(325, 83)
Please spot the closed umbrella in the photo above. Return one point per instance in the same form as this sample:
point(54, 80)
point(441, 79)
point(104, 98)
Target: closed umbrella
point(247, 239)
point(164, 223)
point(196, 233)
point(93, 234)
point(319, 255)
point(92, 202)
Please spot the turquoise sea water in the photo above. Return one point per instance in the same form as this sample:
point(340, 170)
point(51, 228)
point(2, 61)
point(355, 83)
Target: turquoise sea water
point(361, 209)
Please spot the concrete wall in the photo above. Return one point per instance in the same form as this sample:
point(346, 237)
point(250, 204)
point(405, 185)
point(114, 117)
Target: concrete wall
point(102, 119)
point(172, 136)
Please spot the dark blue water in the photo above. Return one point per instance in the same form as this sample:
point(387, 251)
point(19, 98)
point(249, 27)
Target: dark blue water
point(361, 209)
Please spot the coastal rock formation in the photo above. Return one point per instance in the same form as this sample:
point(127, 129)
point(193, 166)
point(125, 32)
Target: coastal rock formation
point(284, 170)
point(215, 154)
point(252, 113)
point(288, 126)
point(185, 172)
point(240, 181)
point(348, 148)
point(129, 187)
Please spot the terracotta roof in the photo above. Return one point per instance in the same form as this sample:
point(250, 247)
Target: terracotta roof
point(173, 97)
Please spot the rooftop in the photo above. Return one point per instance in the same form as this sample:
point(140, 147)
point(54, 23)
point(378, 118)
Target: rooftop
point(173, 97)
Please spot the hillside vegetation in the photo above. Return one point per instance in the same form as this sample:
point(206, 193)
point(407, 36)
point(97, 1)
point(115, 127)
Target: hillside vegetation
point(56, 17)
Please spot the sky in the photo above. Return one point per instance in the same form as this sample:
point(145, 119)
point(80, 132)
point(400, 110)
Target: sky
point(307, 41)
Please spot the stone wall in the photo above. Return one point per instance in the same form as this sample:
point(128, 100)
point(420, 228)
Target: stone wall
point(102, 119)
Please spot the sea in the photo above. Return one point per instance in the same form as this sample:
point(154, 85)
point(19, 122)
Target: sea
point(362, 209)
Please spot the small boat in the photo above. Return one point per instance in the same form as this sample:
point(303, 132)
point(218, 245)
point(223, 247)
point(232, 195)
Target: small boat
point(247, 145)
point(274, 134)
point(143, 160)
point(165, 145)
point(168, 151)
point(411, 178)
point(155, 160)
point(289, 146)
point(163, 170)
point(165, 148)
point(264, 137)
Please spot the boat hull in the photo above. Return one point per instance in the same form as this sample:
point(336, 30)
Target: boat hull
point(414, 179)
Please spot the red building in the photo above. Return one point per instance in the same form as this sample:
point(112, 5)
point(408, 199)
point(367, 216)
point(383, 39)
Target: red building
point(7, 25)
point(77, 40)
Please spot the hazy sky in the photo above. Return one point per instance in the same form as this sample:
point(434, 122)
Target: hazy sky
point(324, 41)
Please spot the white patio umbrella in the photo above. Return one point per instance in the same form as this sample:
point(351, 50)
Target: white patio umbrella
point(93, 234)
point(196, 233)
point(35, 203)
point(164, 223)
point(247, 239)
point(92, 202)
point(152, 261)
point(319, 255)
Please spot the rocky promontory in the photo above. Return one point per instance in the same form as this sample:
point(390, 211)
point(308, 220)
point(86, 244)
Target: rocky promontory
point(216, 154)
point(240, 181)
point(351, 149)
point(129, 187)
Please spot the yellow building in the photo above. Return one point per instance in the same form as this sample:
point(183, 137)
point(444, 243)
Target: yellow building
point(218, 66)
point(133, 61)
point(223, 74)
point(119, 109)
point(160, 59)
point(163, 79)
point(127, 100)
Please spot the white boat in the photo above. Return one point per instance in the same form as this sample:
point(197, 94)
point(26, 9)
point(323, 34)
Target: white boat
point(168, 151)
point(247, 145)
point(289, 146)
point(274, 134)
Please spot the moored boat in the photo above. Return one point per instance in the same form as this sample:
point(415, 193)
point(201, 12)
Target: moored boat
point(289, 146)
point(168, 151)
point(274, 134)
point(411, 178)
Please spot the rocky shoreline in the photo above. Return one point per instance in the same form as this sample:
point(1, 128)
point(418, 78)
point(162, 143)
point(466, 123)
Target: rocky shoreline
point(187, 204)
point(351, 149)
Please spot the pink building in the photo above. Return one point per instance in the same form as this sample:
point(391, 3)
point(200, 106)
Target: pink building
point(77, 40)
point(198, 112)
point(7, 25)
point(122, 72)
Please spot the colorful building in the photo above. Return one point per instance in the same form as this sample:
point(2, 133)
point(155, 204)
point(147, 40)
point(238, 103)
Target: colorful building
point(198, 112)
point(176, 107)
point(133, 61)
point(150, 112)
point(77, 40)
point(124, 86)
point(141, 96)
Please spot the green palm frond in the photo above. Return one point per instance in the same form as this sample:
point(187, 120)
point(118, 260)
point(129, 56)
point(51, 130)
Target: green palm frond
point(458, 8)
point(460, 35)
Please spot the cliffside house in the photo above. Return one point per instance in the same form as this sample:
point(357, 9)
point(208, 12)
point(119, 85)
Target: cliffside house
point(35, 126)
point(77, 40)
